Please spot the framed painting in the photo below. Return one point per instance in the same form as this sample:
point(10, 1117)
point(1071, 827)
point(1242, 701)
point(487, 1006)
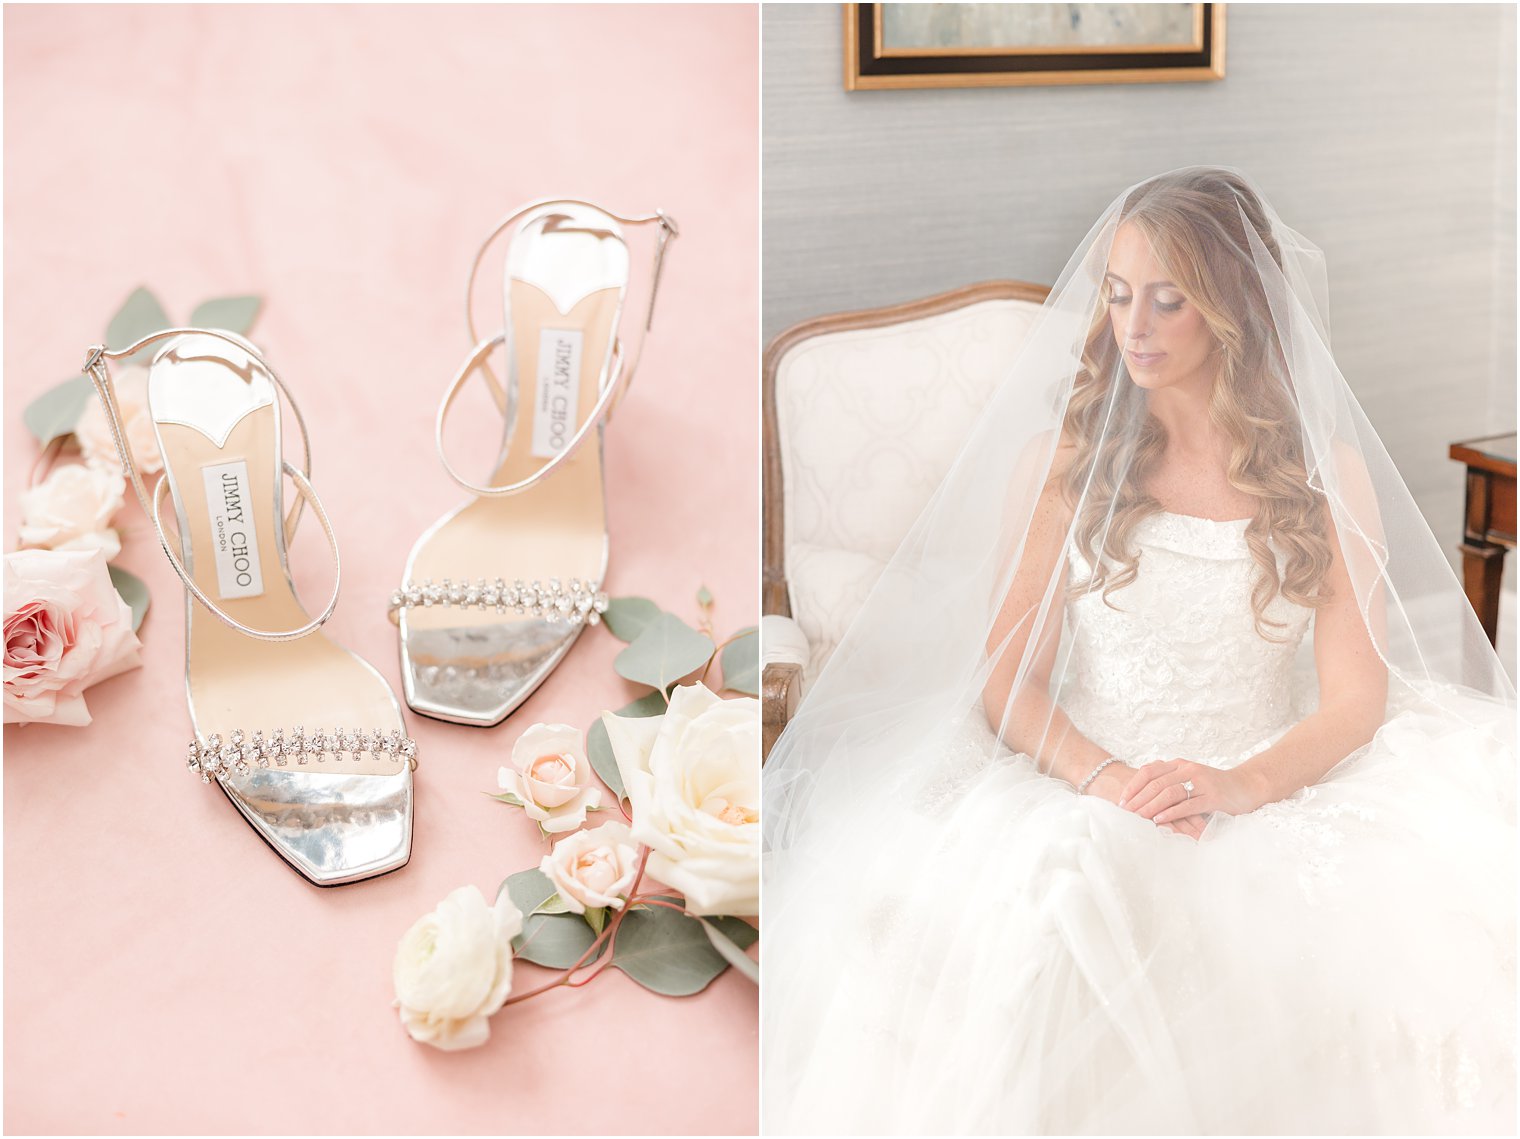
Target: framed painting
point(1016, 45)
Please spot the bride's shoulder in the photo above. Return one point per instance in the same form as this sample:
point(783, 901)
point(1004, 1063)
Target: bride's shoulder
point(1064, 455)
point(1037, 488)
point(1046, 455)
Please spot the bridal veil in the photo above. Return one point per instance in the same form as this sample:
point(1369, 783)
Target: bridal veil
point(1163, 946)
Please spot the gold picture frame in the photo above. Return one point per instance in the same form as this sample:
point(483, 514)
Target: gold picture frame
point(871, 63)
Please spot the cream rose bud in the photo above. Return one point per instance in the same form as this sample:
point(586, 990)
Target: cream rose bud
point(72, 510)
point(94, 432)
point(453, 969)
point(693, 779)
point(552, 776)
point(594, 868)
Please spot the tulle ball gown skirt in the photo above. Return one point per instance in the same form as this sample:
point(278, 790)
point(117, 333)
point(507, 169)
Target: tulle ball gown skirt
point(986, 952)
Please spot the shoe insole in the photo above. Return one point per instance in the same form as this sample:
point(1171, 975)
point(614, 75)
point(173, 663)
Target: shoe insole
point(236, 681)
point(557, 528)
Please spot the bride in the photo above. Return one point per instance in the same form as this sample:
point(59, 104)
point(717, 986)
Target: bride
point(1165, 782)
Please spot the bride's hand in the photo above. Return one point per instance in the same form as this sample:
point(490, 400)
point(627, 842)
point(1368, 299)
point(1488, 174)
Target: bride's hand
point(1157, 792)
point(1193, 826)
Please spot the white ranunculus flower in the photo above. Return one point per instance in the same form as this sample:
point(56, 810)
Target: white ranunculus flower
point(693, 779)
point(72, 510)
point(453, 969)
point(594, 868)
point(94, 431)
point(552, 776)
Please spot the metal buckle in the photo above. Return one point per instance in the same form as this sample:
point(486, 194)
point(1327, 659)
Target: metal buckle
point(96, 352)
point(668, 223)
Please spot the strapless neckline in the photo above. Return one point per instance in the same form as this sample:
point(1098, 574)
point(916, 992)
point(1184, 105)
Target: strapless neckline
point(1200, 518)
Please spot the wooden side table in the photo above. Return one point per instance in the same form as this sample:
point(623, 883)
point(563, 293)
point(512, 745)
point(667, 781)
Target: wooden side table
point(1489, 521)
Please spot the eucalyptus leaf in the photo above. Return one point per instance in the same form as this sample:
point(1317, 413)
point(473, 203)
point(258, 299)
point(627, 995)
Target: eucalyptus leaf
point(596, 918)
point(506, 797)
point(139, 316)
point(663, 653)
point(736, 930)
point(728, 938)
point(704, 597)
point(626, 617)
point(133, 590)
point(667, 952)
point(528, 889)
point(649, 704)
point(603, 762)
point(741, 662)
point(599, 747)
point(554, 905)
point(554, 940)
point(56, 411)
point(231, 314)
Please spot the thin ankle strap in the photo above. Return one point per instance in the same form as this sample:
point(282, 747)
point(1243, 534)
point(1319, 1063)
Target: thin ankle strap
point(95, 366)
point(621, 367)
point(668, 231)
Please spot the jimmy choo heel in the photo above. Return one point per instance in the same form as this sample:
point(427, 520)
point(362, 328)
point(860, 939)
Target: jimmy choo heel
point(304, 738)
point(495, 593)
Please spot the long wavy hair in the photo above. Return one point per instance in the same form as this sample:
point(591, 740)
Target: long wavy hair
point(1195, 221)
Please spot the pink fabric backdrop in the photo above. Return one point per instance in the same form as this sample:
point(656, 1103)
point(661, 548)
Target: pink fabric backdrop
point(163, 970)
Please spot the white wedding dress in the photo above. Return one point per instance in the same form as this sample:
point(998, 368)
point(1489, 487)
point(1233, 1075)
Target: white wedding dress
point(1000, 955)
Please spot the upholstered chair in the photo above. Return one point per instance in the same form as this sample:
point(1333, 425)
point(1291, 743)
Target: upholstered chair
point(864, 412)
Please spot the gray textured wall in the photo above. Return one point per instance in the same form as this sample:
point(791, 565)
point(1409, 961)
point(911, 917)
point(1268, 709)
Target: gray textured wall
point(1384, 133)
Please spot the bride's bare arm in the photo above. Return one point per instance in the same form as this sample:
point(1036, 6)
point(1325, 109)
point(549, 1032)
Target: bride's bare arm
point(1353, 697)
point(1032, 722)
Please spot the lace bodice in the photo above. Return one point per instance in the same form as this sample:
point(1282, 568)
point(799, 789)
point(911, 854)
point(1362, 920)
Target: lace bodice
point(1176, 667)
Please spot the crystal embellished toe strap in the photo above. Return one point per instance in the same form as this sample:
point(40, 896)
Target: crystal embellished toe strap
point(578, 603)
point(239, 754)
point(616, 377)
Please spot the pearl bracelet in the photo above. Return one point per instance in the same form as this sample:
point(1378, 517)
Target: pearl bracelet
point(1082, 787)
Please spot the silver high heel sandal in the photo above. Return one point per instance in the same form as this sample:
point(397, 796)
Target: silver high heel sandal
point(304, 738)
point(496, 592)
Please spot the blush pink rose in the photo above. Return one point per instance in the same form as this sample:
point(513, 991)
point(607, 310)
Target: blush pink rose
point(72, 510)
point(66, 628)
point(93, 431)
point(595, 868)
point(551, 777)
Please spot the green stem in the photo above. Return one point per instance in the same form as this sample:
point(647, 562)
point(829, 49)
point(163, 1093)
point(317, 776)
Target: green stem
point(608, 936)
point(717, 652)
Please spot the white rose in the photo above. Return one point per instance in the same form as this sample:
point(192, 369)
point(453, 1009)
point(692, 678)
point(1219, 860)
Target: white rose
point(453, 969)
point(693, 778)
point(72, 510)
point(594, 868)
point(551, 775)
point(94, 431)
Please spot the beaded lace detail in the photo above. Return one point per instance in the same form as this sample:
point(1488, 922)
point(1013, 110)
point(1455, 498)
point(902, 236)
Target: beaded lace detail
point(1172, 665)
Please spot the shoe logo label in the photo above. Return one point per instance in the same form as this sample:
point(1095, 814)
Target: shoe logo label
point(234, 539)
point(559, 390)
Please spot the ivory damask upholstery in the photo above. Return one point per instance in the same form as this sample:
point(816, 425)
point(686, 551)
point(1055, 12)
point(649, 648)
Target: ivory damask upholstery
point(865, 412)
